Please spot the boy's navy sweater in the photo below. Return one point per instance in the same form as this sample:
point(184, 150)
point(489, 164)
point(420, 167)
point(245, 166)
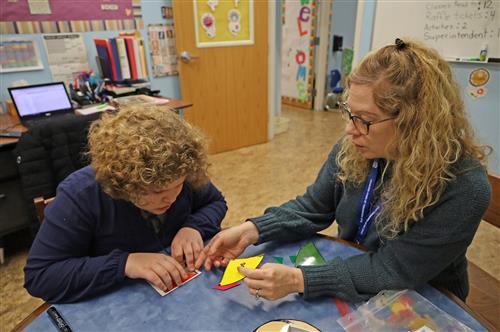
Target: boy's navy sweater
point(84, 242)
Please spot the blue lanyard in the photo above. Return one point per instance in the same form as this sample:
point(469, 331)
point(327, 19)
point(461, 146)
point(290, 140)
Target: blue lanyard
point(366, 217)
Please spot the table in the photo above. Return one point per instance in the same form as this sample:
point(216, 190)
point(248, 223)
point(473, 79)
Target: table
point(135, 306)
point(10, 122)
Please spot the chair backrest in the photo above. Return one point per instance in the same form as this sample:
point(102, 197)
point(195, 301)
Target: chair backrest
point(40, 205)
point(335, 77)
point(492, 215)
point(484, 291)
point(48, 153)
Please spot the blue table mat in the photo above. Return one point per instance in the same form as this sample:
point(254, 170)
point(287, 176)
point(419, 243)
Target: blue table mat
point(196, 306)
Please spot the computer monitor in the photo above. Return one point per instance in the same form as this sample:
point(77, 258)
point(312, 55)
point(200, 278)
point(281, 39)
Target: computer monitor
point(40, 100)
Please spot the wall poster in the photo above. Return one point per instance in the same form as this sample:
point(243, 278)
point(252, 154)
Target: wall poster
point(297, 52)
point(223, 23)
point(163, 50)
point(19, 55)
point(67, 56)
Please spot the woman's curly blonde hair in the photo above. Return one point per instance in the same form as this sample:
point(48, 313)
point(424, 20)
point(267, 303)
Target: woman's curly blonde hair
point(414, 84)
point(140, 148)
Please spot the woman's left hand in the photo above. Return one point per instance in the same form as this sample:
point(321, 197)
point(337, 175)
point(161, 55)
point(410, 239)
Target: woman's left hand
point(273, 281)
point(186, 246)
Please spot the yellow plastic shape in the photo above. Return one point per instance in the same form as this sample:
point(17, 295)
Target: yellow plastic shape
point(232, 274)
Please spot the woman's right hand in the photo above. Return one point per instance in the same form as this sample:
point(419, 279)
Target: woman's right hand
point(159, 269)
point(227, 244)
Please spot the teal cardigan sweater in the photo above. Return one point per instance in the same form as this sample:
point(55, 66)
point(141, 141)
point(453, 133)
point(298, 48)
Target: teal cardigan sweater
point(431, 251)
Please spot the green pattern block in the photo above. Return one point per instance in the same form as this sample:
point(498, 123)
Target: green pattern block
point(293, 258)
point(278, 259)
point(309, 255)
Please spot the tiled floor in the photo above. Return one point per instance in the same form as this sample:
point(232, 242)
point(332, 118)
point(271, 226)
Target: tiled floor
point(251, 179)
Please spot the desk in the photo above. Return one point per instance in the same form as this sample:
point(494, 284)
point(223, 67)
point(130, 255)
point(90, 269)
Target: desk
point(14, 213)
point(135, 306)
point(8, 121)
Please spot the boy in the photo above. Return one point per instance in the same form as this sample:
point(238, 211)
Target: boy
point(146, 188)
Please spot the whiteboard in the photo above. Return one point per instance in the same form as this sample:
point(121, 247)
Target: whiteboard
point(456, 29)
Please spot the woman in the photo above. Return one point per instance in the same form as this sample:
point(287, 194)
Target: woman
point(146, 189)
point(406, 182)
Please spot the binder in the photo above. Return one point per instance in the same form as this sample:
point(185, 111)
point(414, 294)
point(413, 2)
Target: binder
point(105, 58)
point(116, 59)
point(129, 43)
point(122, 54)
point(144, 64)
point(137, 55)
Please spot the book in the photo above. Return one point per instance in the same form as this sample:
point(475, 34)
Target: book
point(122, 54)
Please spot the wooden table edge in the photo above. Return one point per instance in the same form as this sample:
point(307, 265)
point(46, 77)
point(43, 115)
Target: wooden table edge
point(31, 317)
point(38, 311)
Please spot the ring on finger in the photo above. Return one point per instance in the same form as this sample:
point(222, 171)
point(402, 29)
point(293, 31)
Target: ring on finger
point(257, 294)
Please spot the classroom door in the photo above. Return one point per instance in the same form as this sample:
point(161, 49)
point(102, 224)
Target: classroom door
point(227, 85)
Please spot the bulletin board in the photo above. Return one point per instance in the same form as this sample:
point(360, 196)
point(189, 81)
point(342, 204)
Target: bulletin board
point(60, 16)
point(297, 52)
point(223, 23)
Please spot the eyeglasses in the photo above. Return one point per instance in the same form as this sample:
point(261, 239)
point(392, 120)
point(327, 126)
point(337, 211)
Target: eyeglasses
point(361, 125)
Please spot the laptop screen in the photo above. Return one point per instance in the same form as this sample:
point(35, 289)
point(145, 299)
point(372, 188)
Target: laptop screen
point(41, 99)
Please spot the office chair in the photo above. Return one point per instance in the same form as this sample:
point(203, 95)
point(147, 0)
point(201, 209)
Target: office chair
point(333, 97)
point(40, 205)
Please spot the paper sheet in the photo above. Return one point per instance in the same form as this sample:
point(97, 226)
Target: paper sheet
point(39, 7)
point(67, 56)
point(94, 109)
point(191, 276)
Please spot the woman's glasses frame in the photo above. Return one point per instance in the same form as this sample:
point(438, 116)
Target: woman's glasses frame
point(360, 124)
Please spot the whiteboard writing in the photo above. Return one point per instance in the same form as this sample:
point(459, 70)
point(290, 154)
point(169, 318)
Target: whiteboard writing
point(454, 28)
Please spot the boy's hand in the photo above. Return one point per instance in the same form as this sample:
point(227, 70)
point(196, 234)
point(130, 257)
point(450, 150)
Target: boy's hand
point(186, 246)
point(159, 269)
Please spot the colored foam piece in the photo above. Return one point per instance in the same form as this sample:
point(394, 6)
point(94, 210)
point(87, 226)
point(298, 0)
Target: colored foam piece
point(293, 258)
point(232, 275)
point(309, 255)
point(342, 307)
point(225, 288)
point(278, 259)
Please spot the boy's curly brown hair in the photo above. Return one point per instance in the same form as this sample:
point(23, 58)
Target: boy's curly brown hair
point(141, 148)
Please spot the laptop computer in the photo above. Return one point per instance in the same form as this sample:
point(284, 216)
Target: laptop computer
point(41, 102)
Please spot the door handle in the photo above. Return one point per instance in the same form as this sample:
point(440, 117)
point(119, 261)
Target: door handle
point(186, 57)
